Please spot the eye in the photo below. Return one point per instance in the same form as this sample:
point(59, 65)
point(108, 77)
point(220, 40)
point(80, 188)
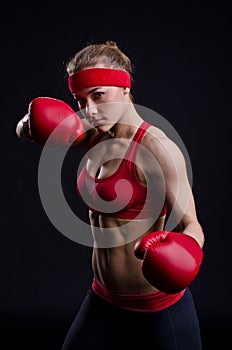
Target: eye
point(98, 94)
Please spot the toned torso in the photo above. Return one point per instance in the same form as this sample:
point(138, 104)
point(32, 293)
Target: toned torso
point(117, 267)
point(114, 263)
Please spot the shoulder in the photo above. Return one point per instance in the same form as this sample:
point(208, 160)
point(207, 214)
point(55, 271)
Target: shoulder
point(157, 141)
point(162, 148)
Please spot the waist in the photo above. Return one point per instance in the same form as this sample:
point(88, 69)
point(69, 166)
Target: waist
point(131, 213)
point(149, 302)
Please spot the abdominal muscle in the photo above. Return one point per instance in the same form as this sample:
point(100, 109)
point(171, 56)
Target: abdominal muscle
point(113, 261)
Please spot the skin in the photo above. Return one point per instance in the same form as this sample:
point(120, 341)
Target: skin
point(110, 110)
point(117, 267)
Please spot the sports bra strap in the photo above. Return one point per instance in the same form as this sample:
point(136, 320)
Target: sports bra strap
point(136, 139)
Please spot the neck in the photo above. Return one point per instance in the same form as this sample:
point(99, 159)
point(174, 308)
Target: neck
point(127, 125)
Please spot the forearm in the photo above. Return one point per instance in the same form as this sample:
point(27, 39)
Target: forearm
point(194, 230)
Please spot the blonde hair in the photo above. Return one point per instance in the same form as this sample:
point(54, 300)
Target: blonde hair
point(108, 54)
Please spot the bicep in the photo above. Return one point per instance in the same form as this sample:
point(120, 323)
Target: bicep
point(168, 173)
point(176, 186)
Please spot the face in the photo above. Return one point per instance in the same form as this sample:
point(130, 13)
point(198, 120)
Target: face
point(103, 106)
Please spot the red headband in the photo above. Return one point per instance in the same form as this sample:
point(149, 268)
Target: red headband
point(89, 77)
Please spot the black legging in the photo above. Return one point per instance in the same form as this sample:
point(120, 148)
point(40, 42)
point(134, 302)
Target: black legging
point(101, 325)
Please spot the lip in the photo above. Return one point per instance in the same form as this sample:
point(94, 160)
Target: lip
point(97, 122)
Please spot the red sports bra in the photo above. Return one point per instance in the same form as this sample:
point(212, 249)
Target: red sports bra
point(120, 195)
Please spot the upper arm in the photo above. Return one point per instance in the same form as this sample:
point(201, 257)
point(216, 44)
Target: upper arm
point(173, 173)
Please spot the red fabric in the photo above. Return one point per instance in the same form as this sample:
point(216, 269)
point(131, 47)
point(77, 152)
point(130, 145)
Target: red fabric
point(89, 77)
point(123, 195)
point(150, 302)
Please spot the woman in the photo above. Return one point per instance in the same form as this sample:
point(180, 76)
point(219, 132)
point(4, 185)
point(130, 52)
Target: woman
point(134, 176)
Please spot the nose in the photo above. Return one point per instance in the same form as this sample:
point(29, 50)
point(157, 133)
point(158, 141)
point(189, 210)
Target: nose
point(91, 109)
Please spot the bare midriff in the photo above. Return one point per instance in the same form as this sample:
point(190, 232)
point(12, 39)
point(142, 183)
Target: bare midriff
point(114, 262)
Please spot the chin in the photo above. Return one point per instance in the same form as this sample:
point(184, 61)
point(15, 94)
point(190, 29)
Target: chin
point(104, 127)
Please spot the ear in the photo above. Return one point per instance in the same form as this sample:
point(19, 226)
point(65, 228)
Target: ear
point(126, 90)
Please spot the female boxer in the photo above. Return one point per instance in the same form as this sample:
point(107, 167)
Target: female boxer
point(133, 178)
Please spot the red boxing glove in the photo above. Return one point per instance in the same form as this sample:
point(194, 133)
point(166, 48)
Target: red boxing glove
point(45, 114)
point(171, 260)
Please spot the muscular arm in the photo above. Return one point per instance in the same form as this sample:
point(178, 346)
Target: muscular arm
point(178, 193)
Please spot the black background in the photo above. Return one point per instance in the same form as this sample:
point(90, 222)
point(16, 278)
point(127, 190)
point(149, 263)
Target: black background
point(182, 54)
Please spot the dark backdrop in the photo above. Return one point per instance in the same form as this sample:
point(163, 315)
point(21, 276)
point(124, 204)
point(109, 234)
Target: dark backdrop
point(182, 55)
